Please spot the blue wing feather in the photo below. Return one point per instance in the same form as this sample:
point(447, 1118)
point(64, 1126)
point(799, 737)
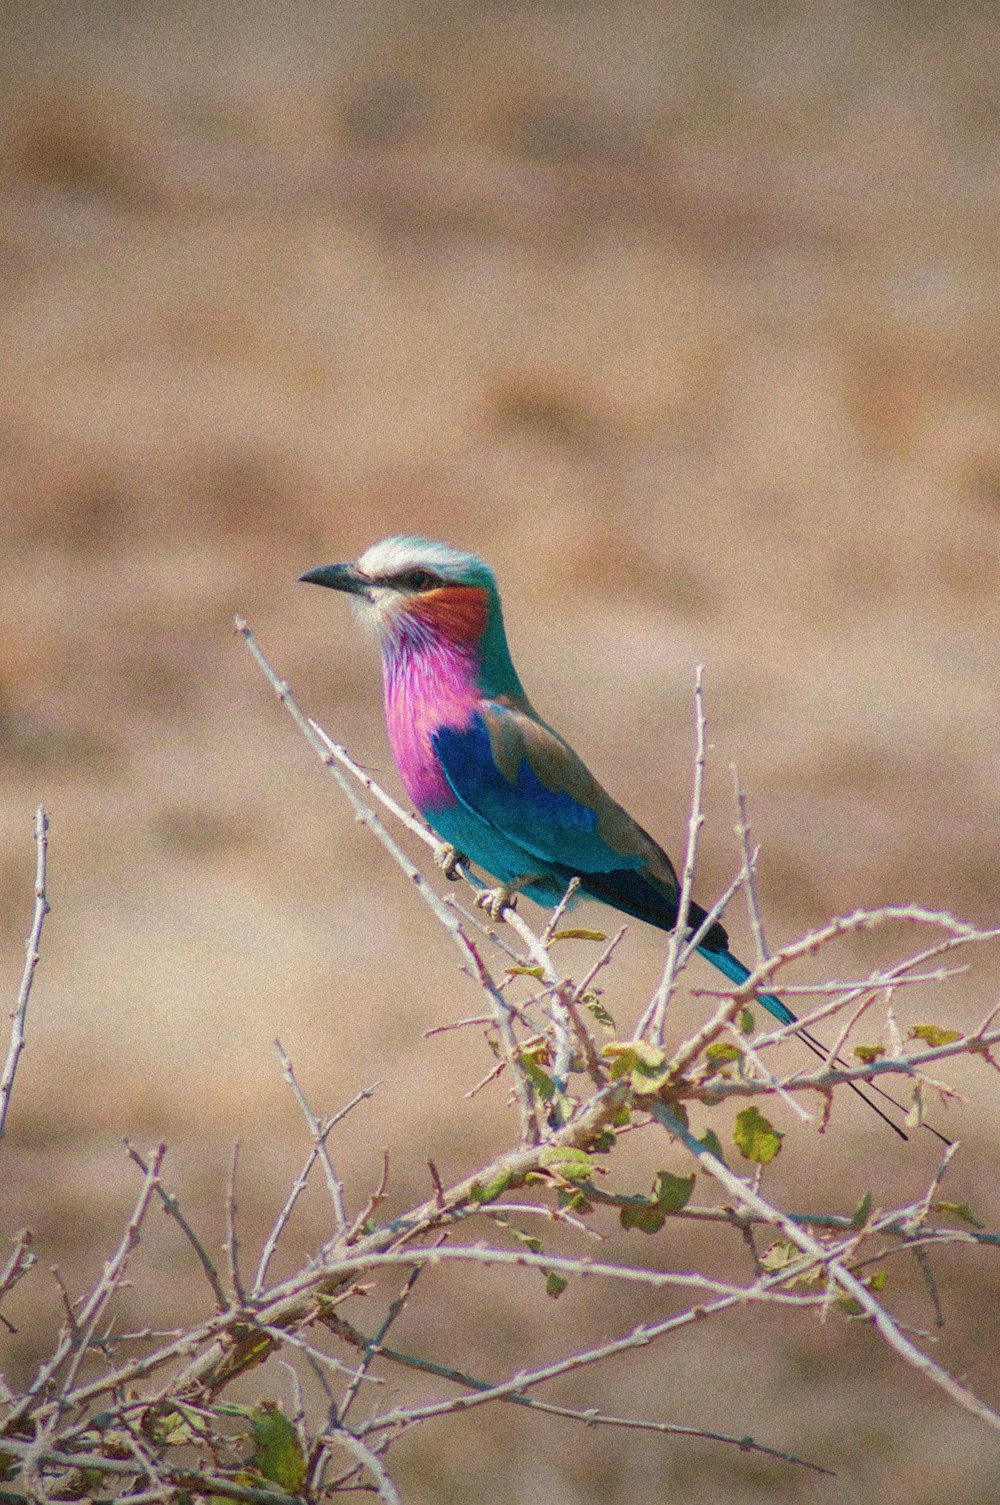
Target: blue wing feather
point(516, 823)
point(551, 826)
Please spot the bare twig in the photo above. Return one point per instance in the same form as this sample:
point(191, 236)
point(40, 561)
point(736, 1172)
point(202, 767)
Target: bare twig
point(596, 1418)
point(323, 1360)
point(958, 934)
point(825, 1077)
point(636, 1337)
point(367, 1214)
point(333, 1181)
point(172, 1208)
point(19, 1264)
point(652, 1022)
point(602, 961)
point(71, 1323)
point(445, 1029)
point(552, 925)
point(232, 1242)
point(748, 1053)
point(750, 855)
point(374, 1347)
point(77, 1339)
point(497, 1069)
point(922, 1210)
point(299, 1186)
point(385, 1489)
point(19, 1016)
point(596, 1068)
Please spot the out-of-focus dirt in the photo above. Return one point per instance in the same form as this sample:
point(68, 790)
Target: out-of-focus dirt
point(687, 319)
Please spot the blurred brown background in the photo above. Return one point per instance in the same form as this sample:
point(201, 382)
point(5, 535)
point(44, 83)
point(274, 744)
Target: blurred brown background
point(686, 317)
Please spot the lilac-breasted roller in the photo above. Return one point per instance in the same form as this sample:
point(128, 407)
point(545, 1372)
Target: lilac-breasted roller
point(489, 776)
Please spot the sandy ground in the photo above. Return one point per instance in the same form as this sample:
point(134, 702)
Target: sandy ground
point(688, 322)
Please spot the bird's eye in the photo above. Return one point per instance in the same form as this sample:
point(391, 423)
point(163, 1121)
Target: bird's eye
point(418, 580)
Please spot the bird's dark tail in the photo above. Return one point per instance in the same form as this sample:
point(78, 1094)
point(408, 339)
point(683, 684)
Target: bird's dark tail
point(738, 973)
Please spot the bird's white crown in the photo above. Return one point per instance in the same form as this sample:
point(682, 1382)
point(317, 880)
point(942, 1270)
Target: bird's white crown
point(397, 555)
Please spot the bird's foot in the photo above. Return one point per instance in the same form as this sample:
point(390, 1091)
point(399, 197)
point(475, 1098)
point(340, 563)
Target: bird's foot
point(448, 858)
point(496, 900)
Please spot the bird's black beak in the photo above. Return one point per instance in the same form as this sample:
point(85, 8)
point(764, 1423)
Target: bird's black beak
point(339, 577)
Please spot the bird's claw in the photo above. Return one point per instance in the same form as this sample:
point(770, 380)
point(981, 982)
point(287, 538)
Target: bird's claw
point(448, 858)
point(496, 900)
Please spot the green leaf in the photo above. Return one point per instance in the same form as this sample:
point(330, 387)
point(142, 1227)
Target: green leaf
point(862, 1211)
point(672, 1192)
point(530, 1240)
point(90, 1480)
point(934, 1035)
point(573, 1201)
point(577, 935)
point(277, 1453)
point(490, 1190)
point(170, 1428)
point(555, 1285)
point(876, 1281)
point(869, 1053)
point(562, 1111)
point(712, 1143)
point(539, 1079)
point(783, 1254)
point(591, 1001)
point(563, 1160)
point(756, 1138)
point(779, 1255)
point(959, 1210)
point(746, 1021)
point(537, 972)
point(642, 1062)
point(648, 1214)
point(721, 1052)
point(644, 1215)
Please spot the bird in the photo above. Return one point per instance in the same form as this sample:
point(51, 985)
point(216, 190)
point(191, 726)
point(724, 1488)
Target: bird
point(498, 785)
